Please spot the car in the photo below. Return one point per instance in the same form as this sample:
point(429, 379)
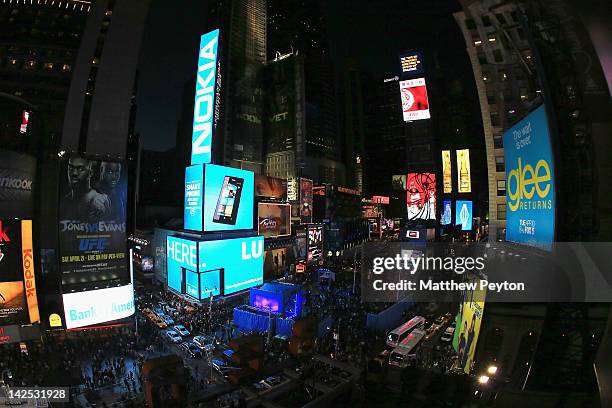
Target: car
point(161, 324)
point(191, 349)
point(204, 342)
point(180, 329)
point(221, 367)
point(173, 336)
point(167, 319)
point(146, 311)
point(448, 334)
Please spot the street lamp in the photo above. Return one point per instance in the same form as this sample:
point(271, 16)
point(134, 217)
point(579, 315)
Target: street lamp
point(492, 370)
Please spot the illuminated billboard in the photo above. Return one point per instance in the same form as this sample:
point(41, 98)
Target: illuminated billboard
point(228, 198)
point(315, 242)
point(205, 95)
point(275, 262)
point(240, 259)
point(447, 215)
point(411, 63)
point(463, 214)
point(274, 219)
point(398, 182)
point(98, 306)
point(181, 253)
point(305, 201)
point(17, 172)
point(194, 194)
point(218, 198)
point(301, 243)
point(421, 196)
point(468, 326)
point(270, 187)
point(530, 196)
point(236, 264)
point(447, 178)
point(415, 105)
point(464, 180)
point(200, 285)
point(18, 295)
point(92, 213)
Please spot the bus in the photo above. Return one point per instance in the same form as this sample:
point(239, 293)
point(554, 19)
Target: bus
point(401, 355)
point(396, 336)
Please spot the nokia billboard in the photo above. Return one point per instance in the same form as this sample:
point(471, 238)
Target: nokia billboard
point(205, 97)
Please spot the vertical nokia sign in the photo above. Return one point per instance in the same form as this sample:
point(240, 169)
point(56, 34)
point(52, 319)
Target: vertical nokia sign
point(204, 109)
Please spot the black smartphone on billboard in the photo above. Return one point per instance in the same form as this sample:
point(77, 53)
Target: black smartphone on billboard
point(229, 199)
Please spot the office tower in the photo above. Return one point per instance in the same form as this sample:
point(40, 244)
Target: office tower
point(242, 54)
point(100, 101)
point(513, 77)
point(38, 46)
point(298, 27)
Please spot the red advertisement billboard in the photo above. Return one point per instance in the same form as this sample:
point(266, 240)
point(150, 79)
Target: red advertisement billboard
point(270, 187)
point(421, 196)
point(274, 219)
point(415, 105)
point(305, 201)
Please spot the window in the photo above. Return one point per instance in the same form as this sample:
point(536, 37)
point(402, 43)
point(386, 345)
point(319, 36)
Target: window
point(491, 99)
point(494, 119)
point(497, 56)
point(65, 68)
point(470, 24)
point(498, 142)
point(482, 58)
point(500, 164)
point(514, 16)
point(486, 21)
point(502, 75)
point(501, 188)
point(500, 18)
point(501, 211)
point(523, 93)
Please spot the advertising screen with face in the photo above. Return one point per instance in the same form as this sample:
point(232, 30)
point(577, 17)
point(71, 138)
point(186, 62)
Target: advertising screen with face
point(421, 196)
point(92, 219)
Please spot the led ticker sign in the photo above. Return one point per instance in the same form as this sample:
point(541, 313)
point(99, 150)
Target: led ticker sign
point(415, 105)
point(204, 108)
point(411, 63)
point(447, 178)
point(530, 198)
point(463, 214)
point(463, 171)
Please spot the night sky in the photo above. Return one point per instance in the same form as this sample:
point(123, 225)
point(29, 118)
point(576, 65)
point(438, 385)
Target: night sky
point(372, 36)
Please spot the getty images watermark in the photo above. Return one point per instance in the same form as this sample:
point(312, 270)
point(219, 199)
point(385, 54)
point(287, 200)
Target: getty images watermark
point(412, 262)
point(570, 272)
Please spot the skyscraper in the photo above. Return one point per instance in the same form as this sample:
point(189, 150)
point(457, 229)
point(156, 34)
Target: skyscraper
point(298, 27)
point(38, 47)
point(242, 54)
point(522, 57)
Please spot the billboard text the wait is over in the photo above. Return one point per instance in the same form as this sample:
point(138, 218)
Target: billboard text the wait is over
point(530, 182)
